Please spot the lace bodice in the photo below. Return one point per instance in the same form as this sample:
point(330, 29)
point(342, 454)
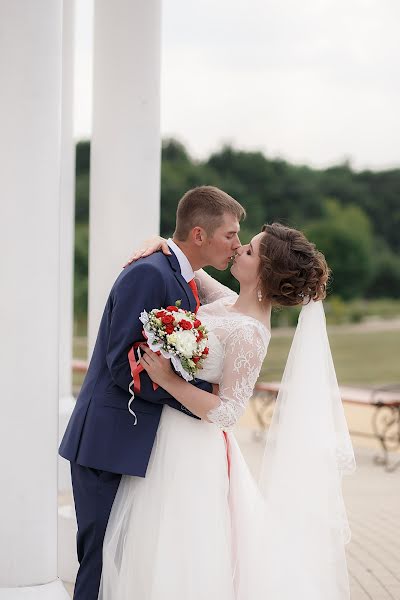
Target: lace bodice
point(238, 344)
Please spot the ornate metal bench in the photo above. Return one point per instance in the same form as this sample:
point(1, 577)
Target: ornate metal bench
point(385, 418)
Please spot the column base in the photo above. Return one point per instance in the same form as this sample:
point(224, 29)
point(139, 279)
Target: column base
point(49, 591)
point(67, 528)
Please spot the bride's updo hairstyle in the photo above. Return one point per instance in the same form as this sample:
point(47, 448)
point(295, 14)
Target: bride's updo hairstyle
point(291, 268)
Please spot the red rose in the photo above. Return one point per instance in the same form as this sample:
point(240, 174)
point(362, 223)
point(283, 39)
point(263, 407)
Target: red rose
point(199, 336)
point(186, 324)
point(169, 329)
point(160, 314)
point(197, 323)
point(196, 359)
point(166, 319)
point(172, 308)
point(206, 351)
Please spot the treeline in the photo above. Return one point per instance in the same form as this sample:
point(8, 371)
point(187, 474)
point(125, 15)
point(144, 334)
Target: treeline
point(353, 217)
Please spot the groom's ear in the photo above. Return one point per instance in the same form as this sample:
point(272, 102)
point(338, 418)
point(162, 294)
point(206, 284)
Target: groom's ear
point(198, 235)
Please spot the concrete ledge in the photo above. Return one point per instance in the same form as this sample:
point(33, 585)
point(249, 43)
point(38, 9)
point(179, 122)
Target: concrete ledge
point(50, 591)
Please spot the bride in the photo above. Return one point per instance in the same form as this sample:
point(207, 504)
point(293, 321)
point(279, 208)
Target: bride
point(198, 526)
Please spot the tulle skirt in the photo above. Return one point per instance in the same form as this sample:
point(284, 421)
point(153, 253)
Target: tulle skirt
point(173, 535)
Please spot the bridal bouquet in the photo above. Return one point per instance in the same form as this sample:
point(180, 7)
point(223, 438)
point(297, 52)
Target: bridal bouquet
point(179, 335)
point(176, 334)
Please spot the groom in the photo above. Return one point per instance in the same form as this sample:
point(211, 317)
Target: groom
point(101, 440)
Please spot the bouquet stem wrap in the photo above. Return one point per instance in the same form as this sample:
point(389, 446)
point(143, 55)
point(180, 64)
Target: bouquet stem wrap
point(136, 369)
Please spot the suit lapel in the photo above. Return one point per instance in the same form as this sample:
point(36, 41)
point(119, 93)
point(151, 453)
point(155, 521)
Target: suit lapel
point(174, 264)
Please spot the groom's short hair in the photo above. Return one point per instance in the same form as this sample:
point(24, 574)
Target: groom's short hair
point(205, 206)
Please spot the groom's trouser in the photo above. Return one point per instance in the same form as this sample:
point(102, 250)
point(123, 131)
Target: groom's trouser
point(94, 493)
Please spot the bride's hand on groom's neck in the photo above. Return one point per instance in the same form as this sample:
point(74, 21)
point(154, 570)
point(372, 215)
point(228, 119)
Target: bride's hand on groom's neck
point(149, 246)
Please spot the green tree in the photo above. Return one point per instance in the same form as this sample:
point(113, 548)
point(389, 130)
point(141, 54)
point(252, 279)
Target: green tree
point(358, 231)
point(179, 173)
point(82, 170)
point(270, 190)
point(382, 204)
point(81, 270)
point(82, 160)
point(344, 236)
point(82, 198)
point(385, 281)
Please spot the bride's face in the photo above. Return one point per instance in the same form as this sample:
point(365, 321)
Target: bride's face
point(247, 262)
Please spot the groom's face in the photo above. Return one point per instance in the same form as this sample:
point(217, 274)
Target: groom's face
point(219, 249)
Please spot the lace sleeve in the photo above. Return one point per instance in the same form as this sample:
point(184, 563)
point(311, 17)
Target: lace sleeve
point(210, 289)
point(245, 351)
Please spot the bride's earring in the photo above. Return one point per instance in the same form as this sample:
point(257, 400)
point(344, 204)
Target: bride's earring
point(259, 295)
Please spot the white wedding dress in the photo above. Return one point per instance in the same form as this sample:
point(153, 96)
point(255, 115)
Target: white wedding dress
point(173, 534)
point(198, 527)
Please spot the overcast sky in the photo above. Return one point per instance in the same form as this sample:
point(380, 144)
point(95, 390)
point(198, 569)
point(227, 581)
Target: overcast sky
point(311, 81)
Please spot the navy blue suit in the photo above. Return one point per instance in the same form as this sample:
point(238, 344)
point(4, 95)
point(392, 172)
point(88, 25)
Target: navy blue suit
point(101, 440)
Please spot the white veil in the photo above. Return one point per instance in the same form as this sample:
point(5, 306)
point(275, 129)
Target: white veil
point(308, 449)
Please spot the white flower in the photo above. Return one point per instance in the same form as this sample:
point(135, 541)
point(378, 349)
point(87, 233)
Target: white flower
point(171, 339)
point(186, 343)
point(178, 316)
point(202, 344)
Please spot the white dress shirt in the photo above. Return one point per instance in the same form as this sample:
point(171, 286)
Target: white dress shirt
point(186, 268)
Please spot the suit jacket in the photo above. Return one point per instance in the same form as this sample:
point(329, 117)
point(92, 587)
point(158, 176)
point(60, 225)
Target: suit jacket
point(101, 433)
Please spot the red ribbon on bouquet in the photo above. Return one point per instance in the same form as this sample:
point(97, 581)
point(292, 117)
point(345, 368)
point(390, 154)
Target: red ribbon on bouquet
point(136, 369)
point(228, 458)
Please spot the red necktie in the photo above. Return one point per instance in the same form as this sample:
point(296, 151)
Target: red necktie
point(194, 289)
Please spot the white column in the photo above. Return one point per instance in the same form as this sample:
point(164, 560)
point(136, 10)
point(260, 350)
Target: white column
point(67, 224)
point(125, 150)
point(30, 103)
point(67, 560)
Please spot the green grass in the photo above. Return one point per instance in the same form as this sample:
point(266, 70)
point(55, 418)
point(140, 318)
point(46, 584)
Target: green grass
point(80, 348)
point(362, 358)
